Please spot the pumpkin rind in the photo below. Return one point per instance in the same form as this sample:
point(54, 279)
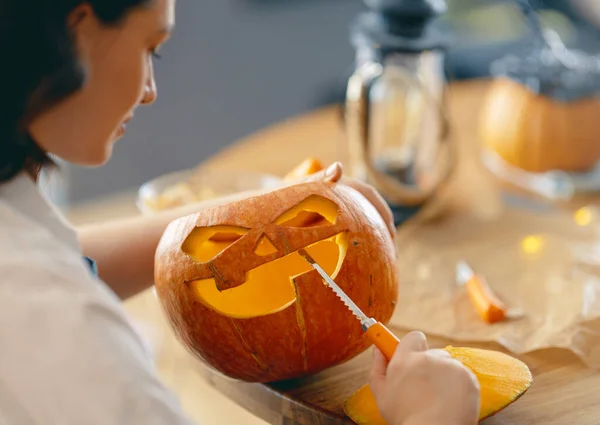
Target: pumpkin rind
point(313, 333)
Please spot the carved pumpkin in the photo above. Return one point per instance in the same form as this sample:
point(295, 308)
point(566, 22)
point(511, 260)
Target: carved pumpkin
point(538, 133)
point(502, 380)
point(240, 297)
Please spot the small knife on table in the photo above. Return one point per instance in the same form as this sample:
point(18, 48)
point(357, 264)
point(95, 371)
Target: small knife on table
point(380, 335)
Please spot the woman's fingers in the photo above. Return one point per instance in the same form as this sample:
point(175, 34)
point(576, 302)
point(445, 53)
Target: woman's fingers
point(331, 174)
point(378, 372)
point(411, 342)
point(438, 352)
point(334, 174)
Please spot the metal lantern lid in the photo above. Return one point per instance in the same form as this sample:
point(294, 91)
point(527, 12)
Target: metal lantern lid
point(553, 71)
point(400, 26)
point(549, 68)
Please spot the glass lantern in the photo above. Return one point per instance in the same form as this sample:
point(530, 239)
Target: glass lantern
point(395, 114)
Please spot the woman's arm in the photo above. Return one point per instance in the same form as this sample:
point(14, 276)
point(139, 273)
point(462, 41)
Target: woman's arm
point(124, 249)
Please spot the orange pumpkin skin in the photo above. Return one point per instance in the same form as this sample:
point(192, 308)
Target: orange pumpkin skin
point(537, 133)
point(316, 330)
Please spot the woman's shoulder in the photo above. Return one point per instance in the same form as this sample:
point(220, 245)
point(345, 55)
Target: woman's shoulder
point(74, 337)
point(35, 260)
point(45, 283)
point(22, 235)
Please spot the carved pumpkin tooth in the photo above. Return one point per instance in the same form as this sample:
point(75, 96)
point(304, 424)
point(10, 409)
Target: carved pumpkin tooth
point(265, 246)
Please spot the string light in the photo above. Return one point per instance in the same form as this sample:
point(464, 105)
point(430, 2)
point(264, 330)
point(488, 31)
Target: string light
point(583, 216)
point(532, 244)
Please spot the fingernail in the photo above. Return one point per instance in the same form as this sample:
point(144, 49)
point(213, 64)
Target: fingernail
point(331, 170)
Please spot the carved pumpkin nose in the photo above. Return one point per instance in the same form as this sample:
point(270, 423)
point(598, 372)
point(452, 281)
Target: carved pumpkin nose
point(265, 246)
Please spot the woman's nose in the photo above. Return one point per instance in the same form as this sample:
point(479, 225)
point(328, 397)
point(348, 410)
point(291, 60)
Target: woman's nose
point(149, 92)
point(149, 95)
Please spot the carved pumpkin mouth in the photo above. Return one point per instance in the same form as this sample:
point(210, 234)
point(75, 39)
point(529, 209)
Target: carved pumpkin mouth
point(271, 287)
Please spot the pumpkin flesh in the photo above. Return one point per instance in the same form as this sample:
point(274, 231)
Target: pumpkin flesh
point(275, 278)
point(502, 379)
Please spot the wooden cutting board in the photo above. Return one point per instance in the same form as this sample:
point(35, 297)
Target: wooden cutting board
point(564, 392)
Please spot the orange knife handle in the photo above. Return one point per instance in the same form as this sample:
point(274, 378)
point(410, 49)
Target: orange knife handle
point(383, 339)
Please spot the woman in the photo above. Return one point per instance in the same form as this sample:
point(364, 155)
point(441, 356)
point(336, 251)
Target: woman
point(73, 74)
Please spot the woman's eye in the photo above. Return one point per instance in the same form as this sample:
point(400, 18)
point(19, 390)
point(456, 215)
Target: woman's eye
point(155, 54)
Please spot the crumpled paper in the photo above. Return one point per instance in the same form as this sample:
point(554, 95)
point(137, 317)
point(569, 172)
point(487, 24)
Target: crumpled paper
point(547, 265)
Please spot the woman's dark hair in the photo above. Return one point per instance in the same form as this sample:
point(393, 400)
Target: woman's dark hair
point(39, 68)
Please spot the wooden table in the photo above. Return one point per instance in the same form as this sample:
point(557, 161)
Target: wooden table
point(564, 391)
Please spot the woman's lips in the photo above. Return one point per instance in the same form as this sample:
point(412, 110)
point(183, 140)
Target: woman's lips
point(121, 130)
point(123, 127)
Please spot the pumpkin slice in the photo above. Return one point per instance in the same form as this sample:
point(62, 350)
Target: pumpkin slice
point(362, 408)
point(305, 168)
point(502, 378)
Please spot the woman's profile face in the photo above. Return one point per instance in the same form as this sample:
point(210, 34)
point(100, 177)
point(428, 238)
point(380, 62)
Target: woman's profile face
point(119, 67)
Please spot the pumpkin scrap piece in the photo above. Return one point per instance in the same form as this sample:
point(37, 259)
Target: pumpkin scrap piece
point(484, 300)
point(305, 168)
point(489, 307)
point(503, 380)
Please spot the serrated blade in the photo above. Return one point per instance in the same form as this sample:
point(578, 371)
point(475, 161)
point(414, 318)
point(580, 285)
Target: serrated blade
point(463, 272)
point(364, 320)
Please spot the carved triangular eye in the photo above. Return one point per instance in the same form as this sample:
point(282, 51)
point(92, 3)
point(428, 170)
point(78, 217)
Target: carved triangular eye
point(205, 243)
point(313, 211)
point(264, 246)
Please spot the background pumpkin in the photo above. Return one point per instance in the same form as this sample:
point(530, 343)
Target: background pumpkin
point(223, 279)
point(538, 133)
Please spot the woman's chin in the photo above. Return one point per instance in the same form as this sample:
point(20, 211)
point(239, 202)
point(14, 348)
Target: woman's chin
point(92, 158)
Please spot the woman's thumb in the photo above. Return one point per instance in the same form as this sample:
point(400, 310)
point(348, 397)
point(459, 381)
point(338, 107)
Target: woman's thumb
point(332, 174)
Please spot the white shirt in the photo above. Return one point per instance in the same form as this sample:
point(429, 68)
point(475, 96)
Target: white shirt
point(68, 353)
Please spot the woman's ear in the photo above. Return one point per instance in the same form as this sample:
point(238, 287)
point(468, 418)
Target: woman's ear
point(79, 15)
point(85, 27)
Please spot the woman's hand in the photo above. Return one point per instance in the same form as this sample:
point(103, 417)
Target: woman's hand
point(420, 386)
point(334, 173)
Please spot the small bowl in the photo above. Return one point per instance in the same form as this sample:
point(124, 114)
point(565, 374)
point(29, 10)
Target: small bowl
point(184, 187)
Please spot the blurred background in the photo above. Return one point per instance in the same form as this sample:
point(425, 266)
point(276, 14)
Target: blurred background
point(235, 66)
